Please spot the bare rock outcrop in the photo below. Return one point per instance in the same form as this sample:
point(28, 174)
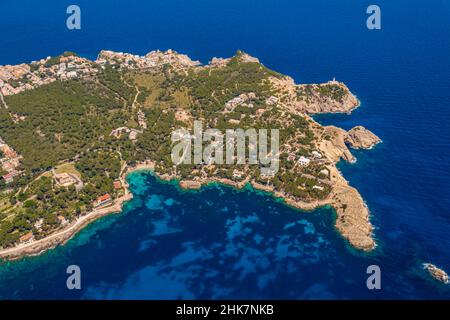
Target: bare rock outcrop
point(437, 274)
point(240, 56)
point(333, 144)
point(361, 138)
point(329, 97)
point(245, 57)
point(190, 184)
point(352, 219)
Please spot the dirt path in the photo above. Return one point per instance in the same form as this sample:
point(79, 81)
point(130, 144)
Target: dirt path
point(3, 100)
point(133, 106)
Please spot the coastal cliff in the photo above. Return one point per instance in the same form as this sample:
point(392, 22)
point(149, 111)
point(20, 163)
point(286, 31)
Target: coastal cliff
point(330, 97)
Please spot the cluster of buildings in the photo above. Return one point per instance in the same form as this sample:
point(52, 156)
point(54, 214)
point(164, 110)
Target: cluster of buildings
point(74, 67)
point(244, 99)
point(18, 78)
point(16, 118)
point(303, 161)
point(132, 133)
point(106, 199)
point(315, 157)
point(150, 60)
point(9, 161)
point(28, 237)
point(272, 101)
point(10, 77)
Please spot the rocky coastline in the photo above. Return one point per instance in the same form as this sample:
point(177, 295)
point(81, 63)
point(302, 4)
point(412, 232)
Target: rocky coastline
point(352, 220)
point(352, 214)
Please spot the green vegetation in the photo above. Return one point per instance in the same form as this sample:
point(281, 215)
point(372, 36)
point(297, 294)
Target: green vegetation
point(310, 92)
point(67, 168)
point(332, 91)
point(62, 120)
point(67, 129)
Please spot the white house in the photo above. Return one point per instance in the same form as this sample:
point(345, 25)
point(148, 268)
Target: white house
point(316, 154)
point(303, 161)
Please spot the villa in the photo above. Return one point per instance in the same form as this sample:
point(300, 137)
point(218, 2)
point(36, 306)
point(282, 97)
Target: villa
point(303, 161)
point(103, 201)
point(26, 238)
point(316, 154)
point(62, 220)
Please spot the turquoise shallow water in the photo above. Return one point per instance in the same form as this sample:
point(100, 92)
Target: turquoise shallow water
point(220, 243)
point(214, 243)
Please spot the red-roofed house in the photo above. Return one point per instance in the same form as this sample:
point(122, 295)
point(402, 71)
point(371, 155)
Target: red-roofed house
point(103, 200)
point(117, 184)
point(9, 177)
point(62, 219)
point(27, 237)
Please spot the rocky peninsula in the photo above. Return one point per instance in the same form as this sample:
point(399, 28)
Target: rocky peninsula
point(127, 107)
point(361, 138)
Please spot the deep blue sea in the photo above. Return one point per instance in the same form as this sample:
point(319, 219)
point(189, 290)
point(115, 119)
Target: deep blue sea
point(223, 243)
